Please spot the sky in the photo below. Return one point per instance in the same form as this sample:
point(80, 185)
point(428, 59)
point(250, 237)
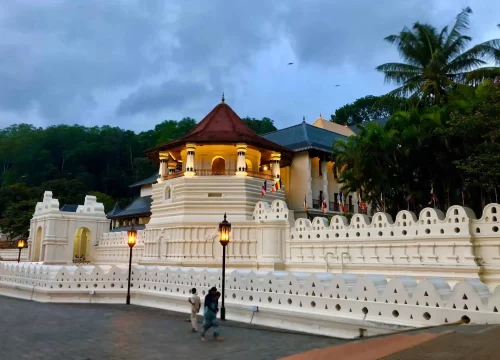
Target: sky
point(134, 63)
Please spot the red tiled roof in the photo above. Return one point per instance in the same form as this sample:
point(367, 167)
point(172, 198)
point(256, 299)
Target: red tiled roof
point(221, 126)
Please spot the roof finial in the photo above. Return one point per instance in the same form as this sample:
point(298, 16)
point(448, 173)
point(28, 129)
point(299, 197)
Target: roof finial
point(321, 117)
point(303, 119)
point(223, 99)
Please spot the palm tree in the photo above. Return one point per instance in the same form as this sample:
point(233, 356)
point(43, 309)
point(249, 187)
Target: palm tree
point(435, 61)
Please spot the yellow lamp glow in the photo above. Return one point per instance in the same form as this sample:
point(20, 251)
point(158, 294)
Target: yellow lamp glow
point(20, 243)
point(264, 168)
point(224, 231)
point(132, 237)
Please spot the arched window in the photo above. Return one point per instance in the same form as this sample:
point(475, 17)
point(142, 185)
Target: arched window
point(248, 165)
point(218, 166)
point(168, 193)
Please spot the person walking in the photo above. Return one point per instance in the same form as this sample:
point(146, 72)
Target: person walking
point(195, 302)
point(210, 315)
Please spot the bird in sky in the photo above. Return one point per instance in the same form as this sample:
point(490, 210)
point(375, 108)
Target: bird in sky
point(337, 85)
point(290, 63)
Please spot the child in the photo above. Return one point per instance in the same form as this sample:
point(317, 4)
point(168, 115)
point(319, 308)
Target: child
point(195, 302)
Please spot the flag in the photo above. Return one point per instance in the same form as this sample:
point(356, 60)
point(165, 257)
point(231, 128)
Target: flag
point(341, 203)
point(264, 188)
point(305, 202)
point(277, 186)
point(324, 206)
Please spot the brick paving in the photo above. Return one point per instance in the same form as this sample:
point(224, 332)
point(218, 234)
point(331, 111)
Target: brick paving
point(43, 331)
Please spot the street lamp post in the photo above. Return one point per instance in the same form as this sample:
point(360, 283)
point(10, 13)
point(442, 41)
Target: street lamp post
point(224, 230)
point(132, 238)
point(20, 245)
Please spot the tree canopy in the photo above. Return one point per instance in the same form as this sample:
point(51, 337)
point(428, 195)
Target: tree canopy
point(437, 60)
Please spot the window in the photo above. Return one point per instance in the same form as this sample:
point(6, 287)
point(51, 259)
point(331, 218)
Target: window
point(168, 193)
point(320, 165)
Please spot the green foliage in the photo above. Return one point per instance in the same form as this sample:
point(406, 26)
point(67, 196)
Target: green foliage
point(368, 108)
point(449, 147)
point(436, 61)
point(263, 126)
point(74, 161)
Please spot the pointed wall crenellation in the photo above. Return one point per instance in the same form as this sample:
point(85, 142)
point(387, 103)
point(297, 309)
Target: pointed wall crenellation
point(48, 204)
point(91, 206)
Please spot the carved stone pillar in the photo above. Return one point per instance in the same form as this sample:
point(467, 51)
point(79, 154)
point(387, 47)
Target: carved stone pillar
point(163, 166)
point(241, 164)
point(324, 171)
point(190, 170)
point(275, 165)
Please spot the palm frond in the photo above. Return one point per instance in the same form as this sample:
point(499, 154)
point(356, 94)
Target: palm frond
point(461, 25)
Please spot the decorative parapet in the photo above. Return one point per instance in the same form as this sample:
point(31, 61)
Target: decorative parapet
point(338, 300)
point(113, 248)
point(91, 206)
point(277, 211)
point(47, 205)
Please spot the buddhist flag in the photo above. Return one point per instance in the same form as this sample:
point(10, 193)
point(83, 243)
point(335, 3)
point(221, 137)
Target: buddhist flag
point(264, 188)
point(341, 202)
point(305, 202)
point(324, 206)
point(277, 186)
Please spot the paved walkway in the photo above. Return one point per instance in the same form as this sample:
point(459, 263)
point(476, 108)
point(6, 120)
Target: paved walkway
point(442, 343)
point(41, 331)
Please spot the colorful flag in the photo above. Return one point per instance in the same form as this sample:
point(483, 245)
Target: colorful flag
point(341, 203)
point(277, 185)
point(305, 202)
point(264, 188)
point(324, 206)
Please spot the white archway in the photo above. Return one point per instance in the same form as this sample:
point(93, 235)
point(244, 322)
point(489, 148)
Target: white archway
point(81, 244)
point(37, 245)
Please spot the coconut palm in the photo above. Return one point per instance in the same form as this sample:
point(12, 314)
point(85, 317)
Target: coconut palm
point(435, 61)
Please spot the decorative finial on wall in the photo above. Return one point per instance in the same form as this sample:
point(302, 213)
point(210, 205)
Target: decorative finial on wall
point(223, 99)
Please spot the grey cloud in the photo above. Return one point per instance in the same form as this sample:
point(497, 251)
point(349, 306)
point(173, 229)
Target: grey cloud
point(65, 58)
point(170, 94)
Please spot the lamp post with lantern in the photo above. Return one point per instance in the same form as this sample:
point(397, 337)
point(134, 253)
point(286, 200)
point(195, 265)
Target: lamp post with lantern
point(132, 239)
point(224, 231)
point(20, 245)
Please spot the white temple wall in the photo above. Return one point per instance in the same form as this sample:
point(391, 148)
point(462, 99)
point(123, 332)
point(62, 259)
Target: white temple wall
point(320, 303)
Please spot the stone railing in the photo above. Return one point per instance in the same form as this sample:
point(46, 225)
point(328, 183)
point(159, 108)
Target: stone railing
point(453, 246)
point(113, 248)
point(12, 254)
point(321, 303)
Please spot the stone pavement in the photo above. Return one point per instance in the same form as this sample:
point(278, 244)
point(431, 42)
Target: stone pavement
point(445, 342)
point(43, 331)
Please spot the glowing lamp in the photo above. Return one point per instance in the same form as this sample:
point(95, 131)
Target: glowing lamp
point(264, 168)
point(132, 237)
point(20, 243)
point(224, 231)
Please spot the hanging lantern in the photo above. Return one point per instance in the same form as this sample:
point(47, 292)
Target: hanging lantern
point(132, 236)
point(224, 231)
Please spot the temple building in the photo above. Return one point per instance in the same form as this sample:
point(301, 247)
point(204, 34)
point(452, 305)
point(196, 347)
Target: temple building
point(223, 145)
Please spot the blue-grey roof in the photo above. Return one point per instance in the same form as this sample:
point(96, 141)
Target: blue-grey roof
point(140, 206)
point(148, 181)
point(69, 208)
point(126, 228)
point(381, 122)
point(116, 210)
point(304, 137)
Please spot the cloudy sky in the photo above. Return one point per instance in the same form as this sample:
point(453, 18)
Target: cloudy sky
point(134, 63)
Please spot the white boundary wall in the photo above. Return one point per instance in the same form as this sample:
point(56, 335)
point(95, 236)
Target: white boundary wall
point(454, 246)
point(335, 305)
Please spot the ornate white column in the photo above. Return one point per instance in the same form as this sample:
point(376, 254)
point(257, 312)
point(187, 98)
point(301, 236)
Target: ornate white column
point(324, 171)
point(190, 170)
point(275, 165)
point(241, 164)
point(163, 165)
